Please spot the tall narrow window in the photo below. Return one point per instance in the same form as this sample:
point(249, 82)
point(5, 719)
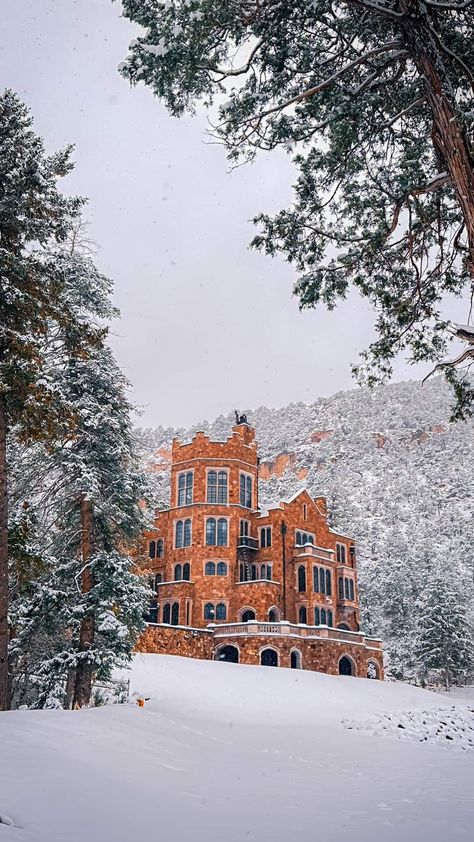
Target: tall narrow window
point(346, 589)
point(341, 587)
point(187, 533)
point(222, 487)
point(328, 583)
point(185, 488)
point(160, 548)
point(166, 613)
point(301, 579)
point(183, 533)
point(322, 581)
point(246, 490)
point(316, 579)
point(186, 571)
point(266, 536)
point(316, 616)
point(305, 511)
point(210, 569)
point(211, 531)
point(221, 568)
point(330, 620)
point(298, 539)
point(179, 534)
point(158, 579)
point(222, 532)
point(175, 614)
point(351, 589)
point(209, 611)
point(302, 618)
point(151, 549)
point(244, 528)
point(221, 611)
point(178, 572)
point(340, 553)
point(323, 617)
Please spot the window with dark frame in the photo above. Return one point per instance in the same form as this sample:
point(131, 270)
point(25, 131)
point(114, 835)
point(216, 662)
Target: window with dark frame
point(185, 488)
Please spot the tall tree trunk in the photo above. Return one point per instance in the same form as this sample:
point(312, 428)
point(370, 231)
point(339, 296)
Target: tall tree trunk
point(83, 678)
point(449, 136)
point(4, 633)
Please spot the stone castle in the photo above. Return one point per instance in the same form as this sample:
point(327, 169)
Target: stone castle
point(238, 582)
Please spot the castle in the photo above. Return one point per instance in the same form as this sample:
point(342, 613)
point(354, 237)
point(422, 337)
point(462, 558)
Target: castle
point(236, 582)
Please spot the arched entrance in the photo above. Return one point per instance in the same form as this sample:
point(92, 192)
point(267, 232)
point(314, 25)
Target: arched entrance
point(273, 615)
point(295, 660)
point(247, 616)
point(346, 666)
point(228, 653)
point(373, 669)
point(343, 626)
point(269, 658)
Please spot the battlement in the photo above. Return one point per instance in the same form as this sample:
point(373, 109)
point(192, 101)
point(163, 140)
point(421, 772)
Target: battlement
point(240, 445)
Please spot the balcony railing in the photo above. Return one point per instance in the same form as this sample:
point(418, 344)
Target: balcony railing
point(256, 628)
point(247, 541)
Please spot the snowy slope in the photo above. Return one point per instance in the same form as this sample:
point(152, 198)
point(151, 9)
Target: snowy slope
point(232, 752)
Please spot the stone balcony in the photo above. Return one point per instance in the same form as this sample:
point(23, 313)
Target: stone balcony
point(254, 628)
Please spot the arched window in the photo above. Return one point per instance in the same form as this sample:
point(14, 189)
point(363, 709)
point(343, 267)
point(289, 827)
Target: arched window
point(179, 534)
point(151, 549)
point(187, 533)
point(185, 488)
point(166, 613)
point(273, 615)
point(316, 616)
point(241, 573)
point(187, 571)
point(345, 666)
point(296, 660)
point(175, 614)
point(341, 587)
point(248, 615)
point(302, 617)
point(351, 588)
point(330, 620)
point(254, 572)
point(210, 568)
point(158, 579)
point(299, 539)
point(266, 536)
point(209, 611)
point(160, 548)
point(269, 658)
point(221, 568)
point(340, 553)
point(322, 580)
point(346, 589)
point(328, 583)
point(212, 487)
point(228, 653)
point(343, 626)
point(323, 617)
point(301, 579)
point(266, 572)
point(372, 669)
point(222, 532)
point(221, 611)
point(211, 531)
point(316, 579)
point(178, 572)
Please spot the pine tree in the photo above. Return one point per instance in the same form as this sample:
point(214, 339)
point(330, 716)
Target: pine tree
point(375, 101)
point(34, 217)
point(445, 642)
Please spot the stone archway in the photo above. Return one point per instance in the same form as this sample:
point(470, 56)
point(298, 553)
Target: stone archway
point(296, 661)
point(373, 669)
point(269, 658)
point(248, 615)
point(227, 653)
point(346, 666)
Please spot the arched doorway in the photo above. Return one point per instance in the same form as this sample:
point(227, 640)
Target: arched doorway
point(247, 616)
point(228, 653)
point(296, 660)
point(273, 615)
point(345, 666)
point(343, 626)
point(372, 669)
point(269, 658)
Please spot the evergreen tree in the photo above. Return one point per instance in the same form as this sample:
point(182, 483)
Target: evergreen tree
point(33, 217)
point(375, 100)
point(89, 607)
point(445, 642)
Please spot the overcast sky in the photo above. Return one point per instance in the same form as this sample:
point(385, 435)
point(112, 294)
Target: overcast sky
point(206, 324)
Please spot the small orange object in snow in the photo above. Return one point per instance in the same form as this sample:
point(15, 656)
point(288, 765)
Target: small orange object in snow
point(141, 703)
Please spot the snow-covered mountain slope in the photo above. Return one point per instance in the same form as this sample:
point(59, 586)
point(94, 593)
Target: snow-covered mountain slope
point(398, 476)
point(234, 752)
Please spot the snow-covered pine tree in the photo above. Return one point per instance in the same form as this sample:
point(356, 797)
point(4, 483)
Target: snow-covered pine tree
point(445, 640)
point(33, 216)
point(89, 608)
point(375, 101)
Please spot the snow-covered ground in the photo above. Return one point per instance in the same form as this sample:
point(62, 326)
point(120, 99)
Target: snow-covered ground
point(230, 752)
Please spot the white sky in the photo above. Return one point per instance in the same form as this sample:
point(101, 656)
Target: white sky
point(206, 324)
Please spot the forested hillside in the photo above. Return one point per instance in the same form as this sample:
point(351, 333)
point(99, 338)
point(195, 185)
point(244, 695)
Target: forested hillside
point(398, 476)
